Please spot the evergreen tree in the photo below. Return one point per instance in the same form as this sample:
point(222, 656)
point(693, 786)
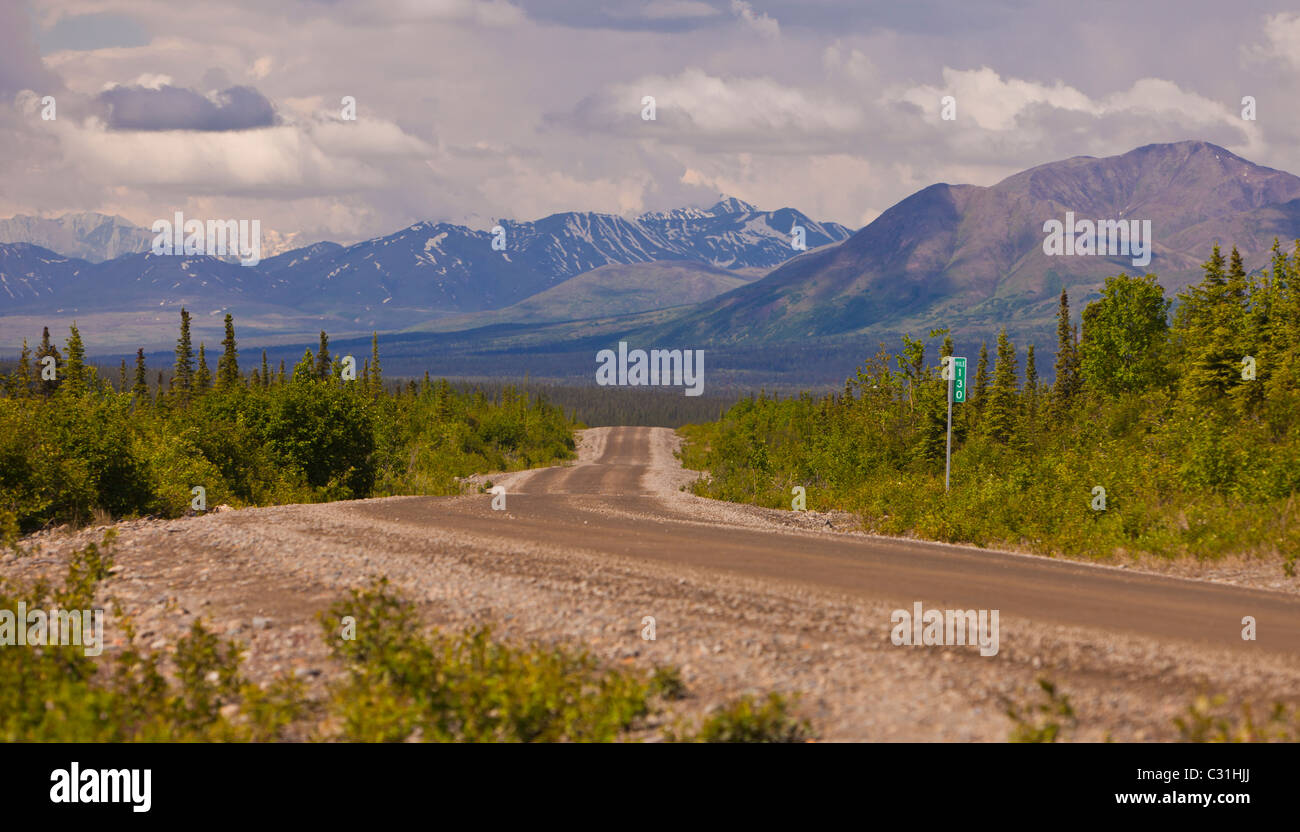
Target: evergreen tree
point(25, 370)
point(74, 370)
point(121, 377)
point(228, 364)
point(266, 373)
point(183, 377)
point(323, 357)
point(981, 377)
point(203, 378)
point(1031, 371)
point(1032, 396)
point(307, 368)
point(141, 387)
point(442, 400)
point(376, 374)
point(1067, 382)
point(45, 385)
point(1002, 412)
point(280, 378)
point(1211, 319)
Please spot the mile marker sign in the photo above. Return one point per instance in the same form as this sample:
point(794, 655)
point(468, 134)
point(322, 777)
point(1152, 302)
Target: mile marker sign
point(954, 372)
point(958, 379)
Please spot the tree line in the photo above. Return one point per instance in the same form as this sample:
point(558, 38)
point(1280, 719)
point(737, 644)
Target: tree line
point(74, 445)
point(1189, 422)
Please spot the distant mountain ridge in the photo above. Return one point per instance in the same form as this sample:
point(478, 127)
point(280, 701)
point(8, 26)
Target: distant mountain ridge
point(965, 255)
point(86, 235)
point(423, 271)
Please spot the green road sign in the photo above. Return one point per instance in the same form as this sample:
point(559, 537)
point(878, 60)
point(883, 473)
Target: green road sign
point(958, 379)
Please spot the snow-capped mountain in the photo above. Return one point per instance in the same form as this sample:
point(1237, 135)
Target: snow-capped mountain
point(734, 234)
point(446, 267)
point(31, 275)
point(87, 235)
point(424, 270)
point(99, 237)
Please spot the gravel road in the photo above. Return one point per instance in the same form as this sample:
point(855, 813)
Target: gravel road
point(745, 600)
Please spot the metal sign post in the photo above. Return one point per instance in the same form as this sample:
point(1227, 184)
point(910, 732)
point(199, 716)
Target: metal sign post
point(954, 370)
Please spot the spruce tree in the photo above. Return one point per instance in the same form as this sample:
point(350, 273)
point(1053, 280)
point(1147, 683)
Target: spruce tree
point(376, 374)
point(1002, 412)
point(228, 364)
point(266, 372)
point(442, 400)
point(982, 377)
point(183, 378)
point(74, 370)
point(1067, 382)
point(323, 357)
point(203, 378)
point(45, 385)
point(121, 377)
point(141, 387)
point(1210, 320)
point(25, 370)
point(1031, 397)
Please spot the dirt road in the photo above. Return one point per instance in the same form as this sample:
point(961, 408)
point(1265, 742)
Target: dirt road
point(743, 599)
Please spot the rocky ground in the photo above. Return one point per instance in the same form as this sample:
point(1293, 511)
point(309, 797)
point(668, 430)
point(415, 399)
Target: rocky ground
point(262, 576)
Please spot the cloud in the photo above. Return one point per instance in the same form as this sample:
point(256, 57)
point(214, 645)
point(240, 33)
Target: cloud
point(999, 105)
point(676, 9)
point(759, 22)
point(167, 107)
point(1282, 39)
point(20, 61)
point(526, 107)
point(703, 110)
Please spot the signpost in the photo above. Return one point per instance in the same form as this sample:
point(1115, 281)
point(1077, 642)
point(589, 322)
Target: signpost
point(954, 370)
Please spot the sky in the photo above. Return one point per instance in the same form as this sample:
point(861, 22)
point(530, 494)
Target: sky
point(472, 112)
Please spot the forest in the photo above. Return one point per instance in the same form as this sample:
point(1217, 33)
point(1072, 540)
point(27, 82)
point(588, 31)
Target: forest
point(1181, 413)
point(77, 447)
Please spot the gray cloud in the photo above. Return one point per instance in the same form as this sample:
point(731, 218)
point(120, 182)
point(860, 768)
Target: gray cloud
point(20, 60)
point(176, 108)
point(518, 108)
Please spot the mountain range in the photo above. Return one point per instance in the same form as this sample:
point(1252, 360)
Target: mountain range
point(420, 273)
point(970, 258)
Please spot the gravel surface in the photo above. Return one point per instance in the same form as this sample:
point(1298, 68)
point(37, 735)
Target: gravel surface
point(263, 574)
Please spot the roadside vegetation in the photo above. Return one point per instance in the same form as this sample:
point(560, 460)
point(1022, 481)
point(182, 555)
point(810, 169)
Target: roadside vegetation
point(75, 446)
point(403, 683)
point(1191, 425)
point(1052, 718)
